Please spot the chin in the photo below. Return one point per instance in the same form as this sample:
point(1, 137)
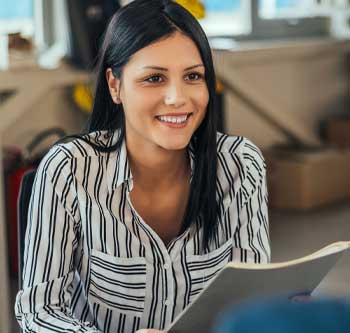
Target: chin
point(174, 144)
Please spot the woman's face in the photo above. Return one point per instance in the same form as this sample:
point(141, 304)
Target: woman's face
point(163, 92)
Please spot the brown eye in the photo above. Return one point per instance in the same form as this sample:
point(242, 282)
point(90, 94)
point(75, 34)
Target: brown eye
point(195, 76)
point(154, 79)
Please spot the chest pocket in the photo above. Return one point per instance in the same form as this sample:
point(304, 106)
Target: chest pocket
point(203, 268)
point(118, 283)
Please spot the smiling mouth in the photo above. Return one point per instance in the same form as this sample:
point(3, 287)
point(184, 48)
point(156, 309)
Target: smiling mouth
point(174, 119)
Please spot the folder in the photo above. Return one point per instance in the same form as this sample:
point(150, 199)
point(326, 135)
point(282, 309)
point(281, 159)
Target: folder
point(240, 282)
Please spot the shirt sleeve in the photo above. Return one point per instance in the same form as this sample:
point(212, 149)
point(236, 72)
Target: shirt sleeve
point(51, 244)
point(251, 238)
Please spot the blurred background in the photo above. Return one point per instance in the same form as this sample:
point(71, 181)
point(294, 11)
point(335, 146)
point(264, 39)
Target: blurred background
point(282, 81)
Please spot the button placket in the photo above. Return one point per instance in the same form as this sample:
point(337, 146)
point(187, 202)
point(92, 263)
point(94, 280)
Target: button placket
point(170, 293)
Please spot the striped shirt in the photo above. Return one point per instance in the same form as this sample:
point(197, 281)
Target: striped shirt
point(91, 264)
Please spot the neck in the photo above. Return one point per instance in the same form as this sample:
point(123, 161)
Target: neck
point(152, 165)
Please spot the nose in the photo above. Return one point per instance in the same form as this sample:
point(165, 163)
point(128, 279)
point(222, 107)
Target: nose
point(175, 95)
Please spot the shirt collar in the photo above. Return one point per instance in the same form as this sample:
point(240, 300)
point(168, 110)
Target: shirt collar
point(118, 167)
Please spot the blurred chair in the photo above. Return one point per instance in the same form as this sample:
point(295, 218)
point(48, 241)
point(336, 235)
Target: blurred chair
point(272, 316)
point(22, 216)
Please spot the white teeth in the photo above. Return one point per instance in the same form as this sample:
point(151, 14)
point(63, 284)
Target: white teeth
point(174, 120)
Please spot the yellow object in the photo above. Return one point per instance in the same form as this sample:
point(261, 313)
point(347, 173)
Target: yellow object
point(195, 7)
point(82, 97)
point(219, 87)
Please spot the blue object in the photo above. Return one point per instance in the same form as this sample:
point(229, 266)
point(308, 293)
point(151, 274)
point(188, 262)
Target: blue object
point(221, 5)
point(276, 316)
point(16, 9)
point(283, 4)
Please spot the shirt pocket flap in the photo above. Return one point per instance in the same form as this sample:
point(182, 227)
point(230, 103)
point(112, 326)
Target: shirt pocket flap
point(118, 283)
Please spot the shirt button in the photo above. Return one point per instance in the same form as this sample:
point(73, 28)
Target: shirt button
point(166, 266)
point(167, 302)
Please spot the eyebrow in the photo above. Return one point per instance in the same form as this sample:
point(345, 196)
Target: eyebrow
point(165, 69)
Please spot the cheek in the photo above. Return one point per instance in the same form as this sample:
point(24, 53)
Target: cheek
point(201, 98)
point(138, 103)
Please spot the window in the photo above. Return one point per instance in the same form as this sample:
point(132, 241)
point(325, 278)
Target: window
point(270, 9)
point(16, 9)
point(301, 18)
point(16, 16)
point(226, 17)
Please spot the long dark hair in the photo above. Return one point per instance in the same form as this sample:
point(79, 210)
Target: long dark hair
point(132, 28)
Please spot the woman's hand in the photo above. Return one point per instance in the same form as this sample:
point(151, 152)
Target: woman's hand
point(150, 330)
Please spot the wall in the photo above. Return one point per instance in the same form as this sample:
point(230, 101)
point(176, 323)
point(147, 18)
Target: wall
point(276, 90)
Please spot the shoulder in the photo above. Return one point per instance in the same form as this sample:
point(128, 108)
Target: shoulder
point(63, 155)
point(241, 167)
point(84, 145)
point(240, 149)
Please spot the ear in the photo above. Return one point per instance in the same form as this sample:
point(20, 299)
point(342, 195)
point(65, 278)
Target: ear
point(113, 86)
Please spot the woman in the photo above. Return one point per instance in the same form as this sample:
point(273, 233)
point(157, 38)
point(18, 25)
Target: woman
point(130, 221)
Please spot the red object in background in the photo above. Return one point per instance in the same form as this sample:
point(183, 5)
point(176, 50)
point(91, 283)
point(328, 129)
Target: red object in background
point(14, 169)
point(13, 182)
point(15, 166)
